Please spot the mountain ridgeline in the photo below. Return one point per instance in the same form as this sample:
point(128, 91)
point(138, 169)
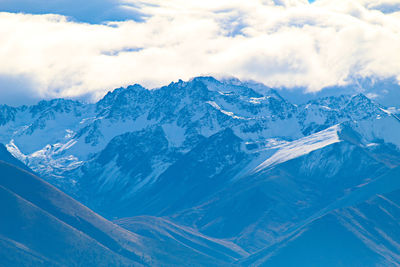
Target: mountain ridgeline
point(224, 173)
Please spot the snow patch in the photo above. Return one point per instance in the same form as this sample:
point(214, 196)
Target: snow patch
point(301, 147)
point(174, 134)
point(228, 113)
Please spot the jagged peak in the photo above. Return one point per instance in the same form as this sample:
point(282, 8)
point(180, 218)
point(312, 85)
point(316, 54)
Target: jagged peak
point(330, 100)
point(204, 79)
point(57, 101)
point(7, 109)
point(360, 101)
point(257, 87)
point(123, 90)
point(274, 93)
point(7, 113)
point(122, 95)
point(360, 97)
point(57, 104)
point(200, 86)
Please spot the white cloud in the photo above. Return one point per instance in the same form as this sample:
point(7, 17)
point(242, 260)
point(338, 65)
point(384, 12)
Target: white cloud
point(280, 43)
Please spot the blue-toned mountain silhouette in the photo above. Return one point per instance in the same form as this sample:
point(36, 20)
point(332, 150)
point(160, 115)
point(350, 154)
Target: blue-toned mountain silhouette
point(209, 172)
point(41, 226)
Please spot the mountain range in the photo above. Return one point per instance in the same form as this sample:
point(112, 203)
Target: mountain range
point(204, 172)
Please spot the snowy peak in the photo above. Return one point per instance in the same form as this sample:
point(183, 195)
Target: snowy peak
point(123, 102)
point(213, 84)
point(332, 102)
point(356, 106)
point(168, 100)
point(361, 107)
point(64, 134)
point(56, 106)
point(324, 112)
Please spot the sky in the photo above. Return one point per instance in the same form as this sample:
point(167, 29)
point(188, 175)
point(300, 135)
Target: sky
point(82, 49)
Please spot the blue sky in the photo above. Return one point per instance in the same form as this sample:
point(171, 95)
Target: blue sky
point(73, 48)
point(91, 11)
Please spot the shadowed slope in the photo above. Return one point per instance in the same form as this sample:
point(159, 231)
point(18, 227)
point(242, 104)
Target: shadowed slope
point(43, 225)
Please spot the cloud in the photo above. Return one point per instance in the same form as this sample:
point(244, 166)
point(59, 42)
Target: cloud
point(289, 43)
point(385, 6)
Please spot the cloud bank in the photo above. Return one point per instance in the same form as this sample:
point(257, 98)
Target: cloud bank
point(282, 43)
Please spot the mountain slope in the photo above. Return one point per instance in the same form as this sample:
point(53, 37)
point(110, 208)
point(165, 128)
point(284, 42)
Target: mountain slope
point(257, 209)
point(44, 227)
point(361, 234)
point(7, 157)
point(41, 219)
point(179, 242)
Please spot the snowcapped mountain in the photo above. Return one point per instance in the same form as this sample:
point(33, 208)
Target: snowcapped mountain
point(59, 135)
point(224, 161)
